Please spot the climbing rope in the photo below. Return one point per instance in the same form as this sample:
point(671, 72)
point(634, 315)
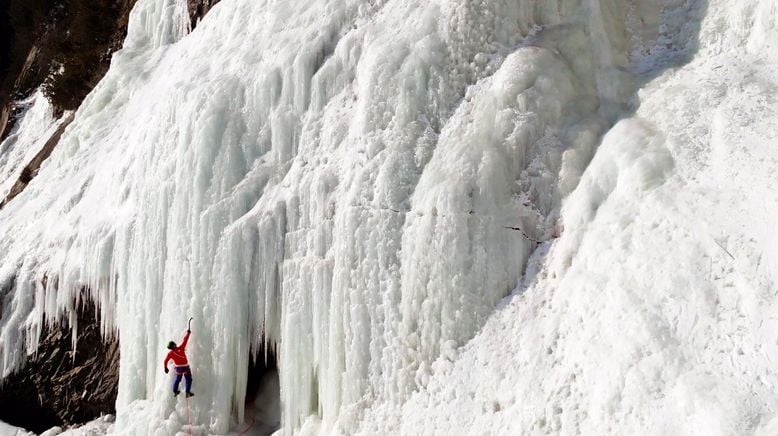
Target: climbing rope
point(188, 413)
point(188, 417)
point(251, 404)
point(253, 417)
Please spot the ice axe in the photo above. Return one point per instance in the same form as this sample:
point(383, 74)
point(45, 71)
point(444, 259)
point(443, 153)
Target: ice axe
point(189, 326)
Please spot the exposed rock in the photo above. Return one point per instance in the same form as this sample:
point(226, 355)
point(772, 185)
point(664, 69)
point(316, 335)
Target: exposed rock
point(198, 9)
point(63, 45)
point(58, 386)
point(5, 112)
point(78, 50)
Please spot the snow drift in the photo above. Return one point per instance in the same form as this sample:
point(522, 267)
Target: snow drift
point(356, 186)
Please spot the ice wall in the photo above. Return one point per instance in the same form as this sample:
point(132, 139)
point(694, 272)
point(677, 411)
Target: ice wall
point(354, 183)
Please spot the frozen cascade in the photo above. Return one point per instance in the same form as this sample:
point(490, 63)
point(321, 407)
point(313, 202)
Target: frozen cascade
point(310, 199)
point(30, 134)
point(334, 181)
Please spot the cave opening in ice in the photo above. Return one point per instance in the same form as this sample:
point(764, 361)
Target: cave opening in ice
point(263, 393)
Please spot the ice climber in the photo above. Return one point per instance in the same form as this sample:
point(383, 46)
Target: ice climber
point(178, 355)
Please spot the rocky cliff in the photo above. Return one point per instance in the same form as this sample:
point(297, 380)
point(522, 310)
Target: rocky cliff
point(59, 385)
point(64, 46)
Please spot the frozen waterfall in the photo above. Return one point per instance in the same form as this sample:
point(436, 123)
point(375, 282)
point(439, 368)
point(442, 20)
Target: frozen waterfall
point(351, 186)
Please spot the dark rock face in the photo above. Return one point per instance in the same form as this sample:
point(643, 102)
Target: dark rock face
point(63, 45)
point(5, 113)
point(79, 51)
point(57, 388)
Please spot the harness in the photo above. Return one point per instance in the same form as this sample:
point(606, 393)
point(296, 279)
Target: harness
point(183, 370)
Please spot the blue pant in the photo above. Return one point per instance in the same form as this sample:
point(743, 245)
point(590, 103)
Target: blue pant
point(183, 371)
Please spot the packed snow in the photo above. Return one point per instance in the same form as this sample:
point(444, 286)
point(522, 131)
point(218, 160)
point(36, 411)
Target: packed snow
point(10, 430)
point(99, 426)
point(654, 313)
point(357, 186)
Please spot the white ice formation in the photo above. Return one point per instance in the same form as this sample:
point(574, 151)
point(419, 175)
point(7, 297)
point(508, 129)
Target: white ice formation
point(357, 184)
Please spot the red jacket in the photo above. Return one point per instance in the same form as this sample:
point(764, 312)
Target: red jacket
point(177, 354)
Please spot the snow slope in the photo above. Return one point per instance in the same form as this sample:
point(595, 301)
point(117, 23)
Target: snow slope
point(9, 430)
point(655, 312)
point(359, 184)
point(99, 426)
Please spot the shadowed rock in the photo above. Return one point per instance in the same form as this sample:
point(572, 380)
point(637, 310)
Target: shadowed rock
point(58, 386)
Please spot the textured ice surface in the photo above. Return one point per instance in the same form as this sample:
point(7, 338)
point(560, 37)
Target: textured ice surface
point(339, 181)
point(32, 130)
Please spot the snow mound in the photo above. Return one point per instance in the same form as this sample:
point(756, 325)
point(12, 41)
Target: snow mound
point(654, 312)
point(10, 430)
